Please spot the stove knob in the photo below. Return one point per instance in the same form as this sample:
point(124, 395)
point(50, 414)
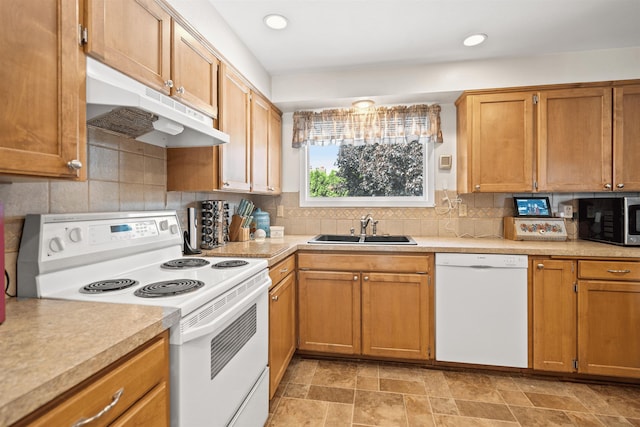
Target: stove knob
point(75, 235)
point(56, 244)
point(173, 229)
point(164, 225)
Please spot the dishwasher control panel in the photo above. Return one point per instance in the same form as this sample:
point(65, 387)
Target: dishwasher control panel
point(535, 229)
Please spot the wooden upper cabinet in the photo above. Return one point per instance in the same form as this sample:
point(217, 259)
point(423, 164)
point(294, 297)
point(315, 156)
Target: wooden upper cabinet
point(554, 314)
point(574, 136)
point(132, 36)
point(235, 161)
point(626, 138)
point(495, 142)
point(194, 72)
point(259, 143)
point(43, 70)
point(274, 154)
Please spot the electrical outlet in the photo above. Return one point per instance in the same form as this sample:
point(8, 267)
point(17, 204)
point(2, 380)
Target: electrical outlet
point(568, 211)
point(462, 209)
point(280, 211)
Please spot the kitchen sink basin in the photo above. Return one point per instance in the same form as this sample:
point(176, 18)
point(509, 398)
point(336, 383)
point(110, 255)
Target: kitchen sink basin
point(367, 240)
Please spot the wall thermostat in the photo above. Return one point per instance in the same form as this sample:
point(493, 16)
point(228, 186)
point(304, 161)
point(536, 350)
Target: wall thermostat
point(445, 161)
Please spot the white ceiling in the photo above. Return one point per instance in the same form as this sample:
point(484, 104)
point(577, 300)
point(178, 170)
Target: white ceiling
point(331, 35)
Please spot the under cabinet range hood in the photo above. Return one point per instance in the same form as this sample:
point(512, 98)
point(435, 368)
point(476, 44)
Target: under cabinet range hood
point(121, 105)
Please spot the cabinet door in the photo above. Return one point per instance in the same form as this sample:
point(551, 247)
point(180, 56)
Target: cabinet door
point(608, 319)
point(502, 142)
point(259, 143)
point(132, 36)
point(554, 315)
point(329, 312)
point(626, 134)
point(574, 133)
point(395, 313)
point(274, 162)
point(235, 162)
point(282, 329)
point(194, 72)
point(43, 120)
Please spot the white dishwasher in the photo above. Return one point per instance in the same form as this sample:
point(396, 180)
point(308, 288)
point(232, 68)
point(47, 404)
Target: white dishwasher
point(481, 309)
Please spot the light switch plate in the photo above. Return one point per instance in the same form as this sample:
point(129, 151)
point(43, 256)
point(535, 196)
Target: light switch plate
point(446, 160)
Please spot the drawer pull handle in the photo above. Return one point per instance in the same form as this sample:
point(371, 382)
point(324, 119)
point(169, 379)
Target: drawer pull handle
point(619, 271)
point(284, 270)
point(114, 401)
point(275, 298)
point(540, 266)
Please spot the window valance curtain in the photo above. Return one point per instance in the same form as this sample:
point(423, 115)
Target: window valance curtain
point(384, 125)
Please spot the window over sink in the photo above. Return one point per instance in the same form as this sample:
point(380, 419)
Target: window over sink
point(377, 157)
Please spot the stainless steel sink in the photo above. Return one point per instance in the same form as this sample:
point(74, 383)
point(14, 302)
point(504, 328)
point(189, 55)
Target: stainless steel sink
point(358, 240)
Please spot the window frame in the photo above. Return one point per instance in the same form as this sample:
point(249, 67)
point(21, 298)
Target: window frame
point(427, 200)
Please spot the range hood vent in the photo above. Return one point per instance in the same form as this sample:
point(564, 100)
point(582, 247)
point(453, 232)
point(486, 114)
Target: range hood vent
point(123, 106)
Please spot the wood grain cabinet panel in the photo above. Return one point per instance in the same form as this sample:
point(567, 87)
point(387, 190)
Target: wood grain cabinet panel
point(43, 71)
point(554, 314)
point(574, 139)
point(282, 327)
point(626, 134)
point(259, 143)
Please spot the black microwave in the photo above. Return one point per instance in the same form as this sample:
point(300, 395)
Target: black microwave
point(610, 219)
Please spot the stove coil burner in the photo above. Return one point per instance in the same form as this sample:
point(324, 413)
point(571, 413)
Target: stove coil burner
point(168, 288)
point(183, 263)
point(103, 286)
point(230, 264)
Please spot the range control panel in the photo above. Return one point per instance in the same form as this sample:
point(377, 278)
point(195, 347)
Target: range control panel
point(535, 229)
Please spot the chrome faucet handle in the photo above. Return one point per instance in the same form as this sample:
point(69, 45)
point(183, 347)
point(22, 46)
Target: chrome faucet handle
point(352, 231)
point(374, 228)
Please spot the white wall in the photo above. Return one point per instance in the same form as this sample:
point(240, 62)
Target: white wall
point(206, 19)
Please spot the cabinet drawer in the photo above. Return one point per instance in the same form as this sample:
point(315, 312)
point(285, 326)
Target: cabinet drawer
point(364, 262)
point(609, 270)
point(135, 376)
point(282, 269)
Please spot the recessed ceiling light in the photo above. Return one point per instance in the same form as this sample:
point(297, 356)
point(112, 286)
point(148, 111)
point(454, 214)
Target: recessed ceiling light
point(363, 103)
point(475, 39)
point(275, 21)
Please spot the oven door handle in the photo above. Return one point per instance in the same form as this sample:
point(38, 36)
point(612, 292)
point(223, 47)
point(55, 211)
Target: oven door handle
point(217, 322)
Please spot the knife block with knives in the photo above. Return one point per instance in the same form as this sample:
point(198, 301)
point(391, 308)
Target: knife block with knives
point(239, 229)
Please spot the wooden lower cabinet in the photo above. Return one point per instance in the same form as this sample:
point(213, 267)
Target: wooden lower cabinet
point(608, 320)
point(361, 311)
point(282, 321)
point(554, 314)
point(136, 388)
point(585, 321)
point(395, 315)
point(329, 311)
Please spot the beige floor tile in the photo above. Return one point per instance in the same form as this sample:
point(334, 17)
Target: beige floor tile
point(584, 420)
point(379, 409)
point(400, 372)
point(564, 403)
point(298, 391)
point(367, 383)
point(435, 384)
point(331, 394)
point(456, 421)
point(418, 411)
point(303, 372)
point(339, 415)
point(368, 370)
point(612, 421)
point(335, 374)
point(298, 412)
point(535, 385)
point(540, 417)
point(634, 421)
point(468, 391)
point(492, 411)
point(445, 406)
point(517, 398)
point(402, 386)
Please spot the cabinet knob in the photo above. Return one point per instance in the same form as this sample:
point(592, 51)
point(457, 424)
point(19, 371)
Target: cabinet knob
point(355, 278)
point(477, 187)
point(607, 186)
point(366, 278)
point(74, 165)
point(168, 83)
point(274, 298)
point(621, 185)
point(271, 189)
point(180, 90)
point(540, 266)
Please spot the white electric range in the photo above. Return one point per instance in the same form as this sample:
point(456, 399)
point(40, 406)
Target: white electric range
point(219, 350)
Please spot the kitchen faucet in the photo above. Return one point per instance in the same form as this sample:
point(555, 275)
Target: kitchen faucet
point(364, 222)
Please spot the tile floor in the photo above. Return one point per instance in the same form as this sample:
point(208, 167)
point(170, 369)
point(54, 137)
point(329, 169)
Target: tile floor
point(344, 393)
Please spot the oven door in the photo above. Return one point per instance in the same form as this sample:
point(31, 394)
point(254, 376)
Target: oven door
point(216, 370)
point(633, 223)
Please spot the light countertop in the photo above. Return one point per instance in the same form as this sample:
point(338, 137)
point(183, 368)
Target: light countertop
point(49, 346)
